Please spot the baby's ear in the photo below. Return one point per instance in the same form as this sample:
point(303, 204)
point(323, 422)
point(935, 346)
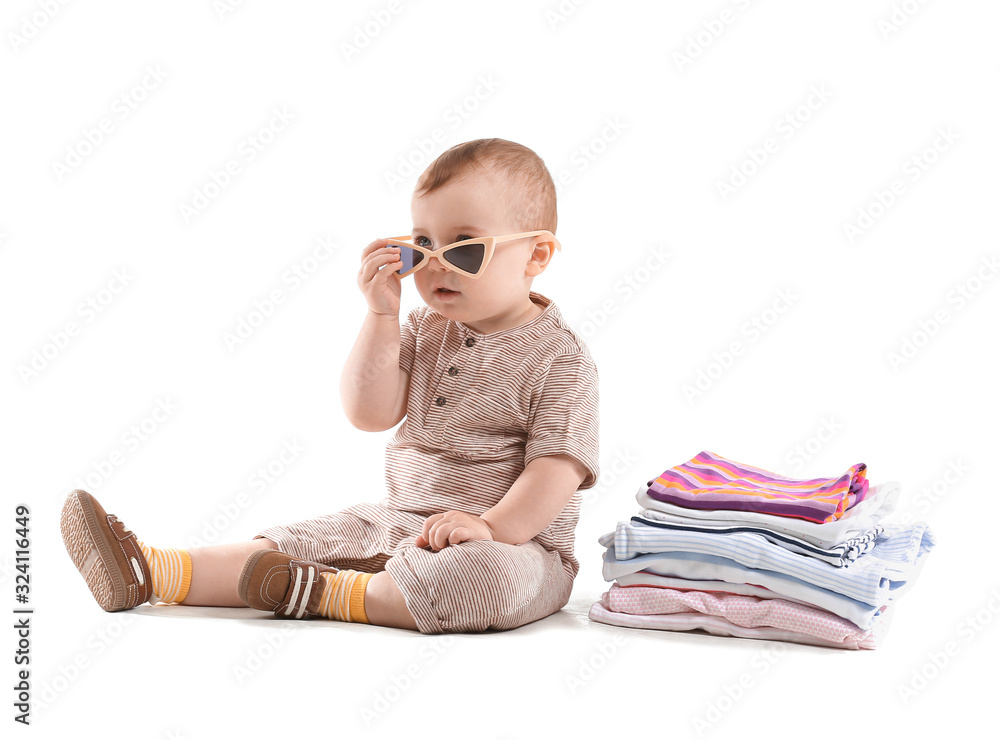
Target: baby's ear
point(540, 257)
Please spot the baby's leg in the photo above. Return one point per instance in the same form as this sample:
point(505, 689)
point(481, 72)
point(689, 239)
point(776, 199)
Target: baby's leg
point(385, 605)
point(215, 572)
point(123, 572)
point(479, 585)
point(357, 541)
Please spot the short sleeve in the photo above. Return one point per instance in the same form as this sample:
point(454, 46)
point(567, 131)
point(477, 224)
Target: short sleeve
point(564, 417)
point(408, 339)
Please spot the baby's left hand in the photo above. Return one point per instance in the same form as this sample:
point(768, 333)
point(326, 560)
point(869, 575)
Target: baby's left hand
point(450, 528)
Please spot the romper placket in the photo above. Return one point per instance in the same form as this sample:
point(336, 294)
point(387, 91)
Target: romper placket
point(454, 383)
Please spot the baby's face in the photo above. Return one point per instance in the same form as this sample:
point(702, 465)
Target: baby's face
point(472, 206)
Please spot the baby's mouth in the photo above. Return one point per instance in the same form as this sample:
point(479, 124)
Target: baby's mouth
point(444, 290)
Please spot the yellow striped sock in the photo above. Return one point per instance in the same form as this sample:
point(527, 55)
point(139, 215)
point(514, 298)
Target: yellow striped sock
point(171, 571)
point(344, 596)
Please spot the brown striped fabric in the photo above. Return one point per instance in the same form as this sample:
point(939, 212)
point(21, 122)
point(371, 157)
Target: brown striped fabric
point(508, 397)
point(473, 586)
point(481, 407)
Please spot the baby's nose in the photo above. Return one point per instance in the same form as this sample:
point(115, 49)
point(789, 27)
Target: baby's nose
point(434, 263)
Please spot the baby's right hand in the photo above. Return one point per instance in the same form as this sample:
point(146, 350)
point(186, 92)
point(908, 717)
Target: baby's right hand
point(381, 287)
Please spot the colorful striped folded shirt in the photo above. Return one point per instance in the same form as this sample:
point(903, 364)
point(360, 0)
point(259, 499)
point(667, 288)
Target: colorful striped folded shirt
point(709, 481)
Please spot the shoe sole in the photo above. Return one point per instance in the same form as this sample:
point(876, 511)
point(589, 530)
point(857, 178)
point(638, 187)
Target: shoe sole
point(89, 548)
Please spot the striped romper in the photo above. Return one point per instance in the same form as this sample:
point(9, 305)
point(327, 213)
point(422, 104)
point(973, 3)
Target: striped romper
point(481, 407)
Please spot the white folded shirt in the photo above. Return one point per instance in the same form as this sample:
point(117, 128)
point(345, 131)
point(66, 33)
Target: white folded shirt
point(878, 504)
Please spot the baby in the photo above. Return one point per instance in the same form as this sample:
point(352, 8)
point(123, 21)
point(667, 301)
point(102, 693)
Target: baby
point(500, 399)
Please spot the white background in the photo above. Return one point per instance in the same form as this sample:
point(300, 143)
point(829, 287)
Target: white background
point(641, 140)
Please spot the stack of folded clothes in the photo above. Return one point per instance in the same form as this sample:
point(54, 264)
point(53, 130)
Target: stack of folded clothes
point(736, 550)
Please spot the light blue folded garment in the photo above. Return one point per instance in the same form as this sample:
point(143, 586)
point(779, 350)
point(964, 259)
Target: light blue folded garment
point(713, 568)
point(838, 556)
point(856, 592)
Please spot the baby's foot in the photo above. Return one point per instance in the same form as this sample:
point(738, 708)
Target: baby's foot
point(275, 581)
point(106, 553)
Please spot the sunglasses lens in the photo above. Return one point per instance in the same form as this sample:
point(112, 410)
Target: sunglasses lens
point(409, 257)
point(468, 257)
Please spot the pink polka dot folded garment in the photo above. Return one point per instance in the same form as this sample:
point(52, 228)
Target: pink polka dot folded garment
point(745, 613)
point(710, 481)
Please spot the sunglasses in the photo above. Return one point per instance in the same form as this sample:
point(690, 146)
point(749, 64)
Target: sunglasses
point(468, 257)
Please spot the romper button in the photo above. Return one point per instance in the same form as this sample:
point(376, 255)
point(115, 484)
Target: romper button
point(440, 401)
point(452, 371)
point(469, 342)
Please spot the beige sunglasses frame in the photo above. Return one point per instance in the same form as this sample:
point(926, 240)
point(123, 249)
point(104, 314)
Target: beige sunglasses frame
point(489, 241)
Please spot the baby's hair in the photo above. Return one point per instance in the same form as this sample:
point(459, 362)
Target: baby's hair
point(530, 202)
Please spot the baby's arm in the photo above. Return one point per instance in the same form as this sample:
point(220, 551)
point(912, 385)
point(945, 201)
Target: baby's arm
point(373, 387)
point(537, 497)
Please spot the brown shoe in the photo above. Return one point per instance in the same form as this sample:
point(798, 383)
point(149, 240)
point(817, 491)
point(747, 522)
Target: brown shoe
point(106, 553)
point(275, 581)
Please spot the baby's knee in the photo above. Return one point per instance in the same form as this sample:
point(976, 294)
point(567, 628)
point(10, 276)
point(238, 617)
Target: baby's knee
point(503, 579)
